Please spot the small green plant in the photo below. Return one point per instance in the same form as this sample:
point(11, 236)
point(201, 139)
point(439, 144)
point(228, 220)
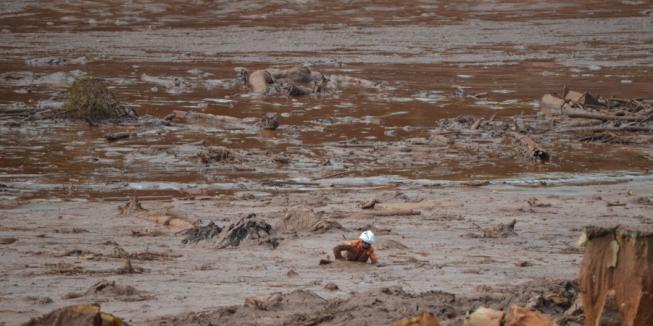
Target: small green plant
point(90, 99)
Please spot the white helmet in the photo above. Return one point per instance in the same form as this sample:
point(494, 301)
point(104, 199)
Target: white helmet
point(367, 237)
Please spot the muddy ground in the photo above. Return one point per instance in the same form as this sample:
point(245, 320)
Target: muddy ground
point(403, 138)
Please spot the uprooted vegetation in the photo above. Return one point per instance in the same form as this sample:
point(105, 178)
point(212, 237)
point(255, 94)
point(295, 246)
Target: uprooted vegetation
point(89, 99)
point(248, 230)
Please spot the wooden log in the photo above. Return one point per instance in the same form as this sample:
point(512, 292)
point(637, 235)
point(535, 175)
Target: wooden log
point(530, 149)
point(221, 121)
point(602, 117)
point(602, 128)
point(476, 124)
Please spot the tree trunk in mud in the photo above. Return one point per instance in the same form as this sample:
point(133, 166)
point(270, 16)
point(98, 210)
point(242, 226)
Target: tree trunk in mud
point(617, 263)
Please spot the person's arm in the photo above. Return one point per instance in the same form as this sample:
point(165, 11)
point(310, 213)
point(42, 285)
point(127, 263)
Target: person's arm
point(374, 259)
point(337, 250)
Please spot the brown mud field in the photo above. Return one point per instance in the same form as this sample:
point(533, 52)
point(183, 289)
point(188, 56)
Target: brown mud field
point(461, 119)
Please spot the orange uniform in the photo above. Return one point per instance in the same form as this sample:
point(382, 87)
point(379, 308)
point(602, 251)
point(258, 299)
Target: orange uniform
point(354, 251)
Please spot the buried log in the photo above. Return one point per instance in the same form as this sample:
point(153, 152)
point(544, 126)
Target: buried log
point(166, 217)
point(117, 136)
point(617, 265)
point(530, 149)
point(602, 117)
point(220, 121)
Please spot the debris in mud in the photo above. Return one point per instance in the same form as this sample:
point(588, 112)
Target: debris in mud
point(167, 217)
point(6, 241)
point(534, 202)
point(325, 262)
point(173, 85)
point(502, 230)
point(616, 263)
point(515, 316)
point(377, 213)
point(129, 268)
point(147, 233)
point(269, 121)
point(292, 273)
point(117, 136)
point(369, 204)
point(107, 291)
point(424, 319)
point(388, 304)
point(89, 99)
point(530, 149)
point(55, 61)
point(131, 207)
point(82, 315)
point(248, 229)
point(331, 286)
point(219, 121)
point(201, 233)
point(302, 220)
point(642, 201)
point(38, 300)
point(295, 81)
point(215, 154)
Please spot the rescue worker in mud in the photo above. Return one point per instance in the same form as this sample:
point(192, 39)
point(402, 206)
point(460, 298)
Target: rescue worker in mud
point(357, 250)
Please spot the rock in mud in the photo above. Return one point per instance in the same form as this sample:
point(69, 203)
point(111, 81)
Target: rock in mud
point(249, 229)
point(82, 315)
point(201, 233)
point(617, 262)
point(302, 220)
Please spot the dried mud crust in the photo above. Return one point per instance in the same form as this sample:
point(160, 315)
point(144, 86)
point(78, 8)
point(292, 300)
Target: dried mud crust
point(555, 299)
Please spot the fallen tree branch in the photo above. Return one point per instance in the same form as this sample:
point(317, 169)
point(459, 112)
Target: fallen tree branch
point(612, 129)
point(602, 117)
